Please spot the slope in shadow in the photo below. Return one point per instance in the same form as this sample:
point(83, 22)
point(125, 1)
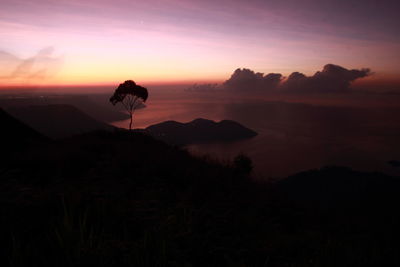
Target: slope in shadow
point(58, 121)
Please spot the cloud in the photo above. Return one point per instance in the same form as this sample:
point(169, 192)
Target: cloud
point(246, 79)
point(37, 67)
point(332, 78)
point(203, 87)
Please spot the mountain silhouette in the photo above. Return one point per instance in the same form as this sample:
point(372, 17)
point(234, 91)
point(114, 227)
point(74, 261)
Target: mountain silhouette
point(96, 106)
point(58, 121)
point(394, 163)
point(124, 198)
point(13, 129)
point(341, 188)
point(16, 136)
point(199, 131)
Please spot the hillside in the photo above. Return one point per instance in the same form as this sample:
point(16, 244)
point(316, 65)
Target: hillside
point(57, 121)
point(16, 136)
point(15, 129)
point(125, 199)
point(96, 106)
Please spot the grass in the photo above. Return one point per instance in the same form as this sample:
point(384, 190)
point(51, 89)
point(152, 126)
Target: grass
point(132, 201)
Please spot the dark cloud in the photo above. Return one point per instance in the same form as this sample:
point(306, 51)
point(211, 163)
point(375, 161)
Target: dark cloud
point(246, 79)
point(203, 87)
point(332, 78)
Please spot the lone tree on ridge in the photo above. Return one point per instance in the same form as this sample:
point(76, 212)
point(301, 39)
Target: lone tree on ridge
point(131, 97)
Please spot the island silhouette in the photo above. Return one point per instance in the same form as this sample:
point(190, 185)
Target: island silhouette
point(199, 131)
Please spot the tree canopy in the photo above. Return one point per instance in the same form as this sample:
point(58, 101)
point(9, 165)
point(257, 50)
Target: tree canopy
point(131, 96)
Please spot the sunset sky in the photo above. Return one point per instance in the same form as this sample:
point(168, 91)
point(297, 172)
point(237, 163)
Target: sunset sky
point(66, 42)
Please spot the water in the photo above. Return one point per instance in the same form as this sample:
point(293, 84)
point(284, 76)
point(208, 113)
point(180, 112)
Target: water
point(294, 133)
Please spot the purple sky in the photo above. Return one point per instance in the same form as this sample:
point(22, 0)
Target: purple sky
point(98, 41)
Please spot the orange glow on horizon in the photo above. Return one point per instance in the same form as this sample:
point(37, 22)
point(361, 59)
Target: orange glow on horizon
point(75, 43)
point(376, 82)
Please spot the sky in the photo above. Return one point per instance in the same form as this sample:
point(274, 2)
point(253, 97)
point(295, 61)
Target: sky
point(71, 42)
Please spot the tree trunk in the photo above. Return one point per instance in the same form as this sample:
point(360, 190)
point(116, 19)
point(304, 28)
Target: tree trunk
point(130, 124)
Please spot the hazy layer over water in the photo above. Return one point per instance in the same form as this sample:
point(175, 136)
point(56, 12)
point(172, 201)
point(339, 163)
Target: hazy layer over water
point(295, 132)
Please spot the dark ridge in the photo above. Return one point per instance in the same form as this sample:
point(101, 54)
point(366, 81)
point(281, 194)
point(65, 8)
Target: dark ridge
point(13, 129)
point(125, 199)
point(200, 131)
point(96, 106)
point(57, 121)
point(332, 188)
point(394, 163)
point(16, 135)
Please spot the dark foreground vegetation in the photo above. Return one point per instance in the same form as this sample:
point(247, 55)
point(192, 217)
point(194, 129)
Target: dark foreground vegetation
point(126, 199)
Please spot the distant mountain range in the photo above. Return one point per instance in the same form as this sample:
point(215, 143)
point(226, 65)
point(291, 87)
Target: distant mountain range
point(57, 121)
point(96, 106)
point(199, 131)
point(60, 121)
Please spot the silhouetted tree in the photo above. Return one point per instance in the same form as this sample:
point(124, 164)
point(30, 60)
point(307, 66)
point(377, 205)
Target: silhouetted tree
point(243, 164)
point(131, 97)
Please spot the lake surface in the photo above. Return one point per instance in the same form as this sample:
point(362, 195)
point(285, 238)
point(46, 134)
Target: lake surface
point(294, 133)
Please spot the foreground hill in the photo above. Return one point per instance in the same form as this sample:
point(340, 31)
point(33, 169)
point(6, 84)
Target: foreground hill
point(199, 131)
point(125, 199)
point(15, 136)
point(13, 129)
point(57, 121)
